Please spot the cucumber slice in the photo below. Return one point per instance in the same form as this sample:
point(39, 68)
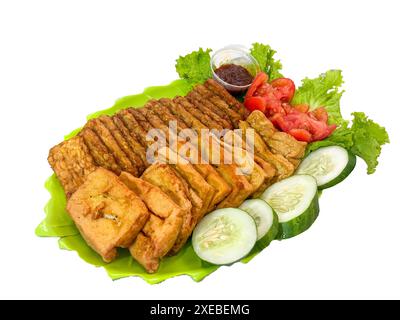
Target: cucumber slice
point(295, 200)
point(328, 165)
point(224, 236)
point(265, 218)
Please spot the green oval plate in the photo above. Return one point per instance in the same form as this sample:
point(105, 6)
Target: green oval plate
point(57, 222)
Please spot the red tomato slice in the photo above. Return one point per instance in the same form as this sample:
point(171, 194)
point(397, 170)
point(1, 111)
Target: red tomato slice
point(301, 135)
point(260, 79)
point(284, 89)
point(302, 108)
point(255, 103)
point(320, 114)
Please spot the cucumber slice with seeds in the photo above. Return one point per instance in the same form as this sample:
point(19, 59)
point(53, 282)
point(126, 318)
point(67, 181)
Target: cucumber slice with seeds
point(224, 236)
point(328, 165)
point(295, 200)
point(265, 218)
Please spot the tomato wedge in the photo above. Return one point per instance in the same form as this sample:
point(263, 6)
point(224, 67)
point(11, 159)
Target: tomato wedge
point(284, 89)
point(259, 80)
point(302, 107)
point(301, 135)
point(255, 103)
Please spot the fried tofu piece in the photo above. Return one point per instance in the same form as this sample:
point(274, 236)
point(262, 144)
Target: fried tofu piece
point(161, 231)
point(107, 213)
point(284, 168)
point(280, 142)
point(163, 176)
point(72, 162)
point(221, 187)
point(240, 186)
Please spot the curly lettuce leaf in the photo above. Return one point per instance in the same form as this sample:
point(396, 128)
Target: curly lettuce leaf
point(195, 66)
point(323, 91)
point(368, 138)
point(364, 138)
point(264, 54)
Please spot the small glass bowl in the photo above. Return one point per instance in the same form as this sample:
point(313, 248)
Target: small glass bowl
point(234, 54)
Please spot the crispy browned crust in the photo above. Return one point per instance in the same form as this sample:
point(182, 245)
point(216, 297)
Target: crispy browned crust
point(124, 141)
point(107, 214)
point(134, 127)
point(202, 105)
point(163, 176)
point(201, 116)
point(166, 116)
point(231, 112)
point(280, 142)
point(112, 145)
point(163, 227)
point(215, 87)
point(60, 163)
point(101, 155)
point(185, 116)
point(199, 93)
point(133, 140)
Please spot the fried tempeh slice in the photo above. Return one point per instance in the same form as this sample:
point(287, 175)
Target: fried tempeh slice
point(180, 112)
point(132, 140)
point(221, 187)
point(219, 103)
point(107, 214)
point(105, 135)
point(201, 116)
point(202, 105)
point(166, 116)
point(101, 155)
point(280, 142)
point(72, 162)
point(163, 176)
point(199, 92)
point(161, 231)
point(124, 143)
point(134, 127)
point(215, 87)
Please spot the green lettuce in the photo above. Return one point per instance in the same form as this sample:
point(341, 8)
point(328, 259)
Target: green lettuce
point(364, 138)
point(323, 91)
point(195, 66)
point(264, 54)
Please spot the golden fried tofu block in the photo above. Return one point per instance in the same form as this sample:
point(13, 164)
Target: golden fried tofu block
point(284, 167)
point(107, 213)
point(72, 162)
point(161, 231)
point(240, 186)
point(167, 179)
point(214, 179)
point(280, 142)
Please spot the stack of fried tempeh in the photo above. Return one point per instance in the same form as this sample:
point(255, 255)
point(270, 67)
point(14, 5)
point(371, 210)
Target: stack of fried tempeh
point(177, 195)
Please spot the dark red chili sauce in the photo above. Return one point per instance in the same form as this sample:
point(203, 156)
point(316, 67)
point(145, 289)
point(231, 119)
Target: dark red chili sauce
point(234, 74)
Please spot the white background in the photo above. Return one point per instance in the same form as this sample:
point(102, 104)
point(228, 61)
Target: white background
point(61, 60)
